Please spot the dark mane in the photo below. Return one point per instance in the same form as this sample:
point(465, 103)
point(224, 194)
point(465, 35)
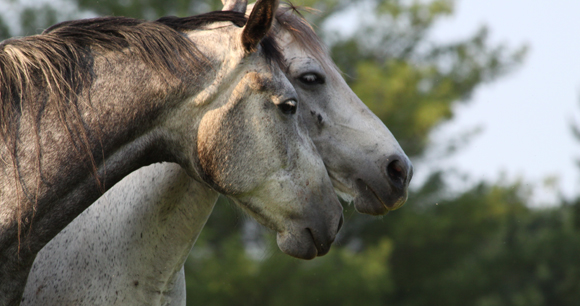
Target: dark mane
point(195, 22)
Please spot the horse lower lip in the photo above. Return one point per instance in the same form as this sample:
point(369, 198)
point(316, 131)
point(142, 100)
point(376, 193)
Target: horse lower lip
point(376, 196)
point(319, 246)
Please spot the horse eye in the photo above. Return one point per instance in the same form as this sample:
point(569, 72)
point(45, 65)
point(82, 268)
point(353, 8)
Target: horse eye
point(288, 107)
point(311, 79)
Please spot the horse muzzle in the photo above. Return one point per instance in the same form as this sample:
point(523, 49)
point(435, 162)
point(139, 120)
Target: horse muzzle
point(307, 240)
point(388, 192)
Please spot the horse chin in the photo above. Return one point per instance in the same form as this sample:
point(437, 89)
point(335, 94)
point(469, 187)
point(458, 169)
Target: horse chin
point(376, 201)
point(301, 245)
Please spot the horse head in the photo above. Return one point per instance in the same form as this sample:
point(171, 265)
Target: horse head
point(250, 143)
point(364, 160)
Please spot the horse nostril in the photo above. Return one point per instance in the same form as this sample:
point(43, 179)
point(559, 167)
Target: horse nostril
point(397, 172)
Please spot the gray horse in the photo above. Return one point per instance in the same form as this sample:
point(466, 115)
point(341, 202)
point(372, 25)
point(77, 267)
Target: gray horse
point(129, 248)
point(90, 101)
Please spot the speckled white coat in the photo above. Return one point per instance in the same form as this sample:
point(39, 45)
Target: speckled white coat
point(134, 249)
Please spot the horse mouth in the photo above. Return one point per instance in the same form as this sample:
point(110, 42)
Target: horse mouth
point(321, 248)
point(377, 197)
point(368, 201)
point(304, 244)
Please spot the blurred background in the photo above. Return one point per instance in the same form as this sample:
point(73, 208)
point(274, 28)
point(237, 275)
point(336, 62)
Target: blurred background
point(482, 96)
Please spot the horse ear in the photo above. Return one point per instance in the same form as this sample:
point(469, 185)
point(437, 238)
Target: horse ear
point(259, 23)
point(235, 5)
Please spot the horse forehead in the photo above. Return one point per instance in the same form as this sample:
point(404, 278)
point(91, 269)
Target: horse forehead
point(284, 38)
point(301, 62)
point(289, 46)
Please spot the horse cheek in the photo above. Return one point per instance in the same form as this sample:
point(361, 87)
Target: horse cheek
point(208, 151)
point(223, 147)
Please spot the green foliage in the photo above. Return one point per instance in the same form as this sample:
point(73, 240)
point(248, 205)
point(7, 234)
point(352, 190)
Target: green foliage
point(34, 20)
point(149, 9)
point(484, 247)
point(4, 30)
point(230, 277)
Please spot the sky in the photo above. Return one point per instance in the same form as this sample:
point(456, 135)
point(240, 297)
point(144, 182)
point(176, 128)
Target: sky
point(526, 115)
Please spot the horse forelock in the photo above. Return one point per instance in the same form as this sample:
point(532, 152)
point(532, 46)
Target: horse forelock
point(290, 19)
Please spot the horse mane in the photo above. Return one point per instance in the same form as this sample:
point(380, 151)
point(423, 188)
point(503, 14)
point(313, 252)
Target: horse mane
point(290, 18)
point(60, 58)
point(53, 69)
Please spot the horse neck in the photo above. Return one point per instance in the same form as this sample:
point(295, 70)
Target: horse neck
point(120, 113)
point(162, 218)
point(140, 231)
